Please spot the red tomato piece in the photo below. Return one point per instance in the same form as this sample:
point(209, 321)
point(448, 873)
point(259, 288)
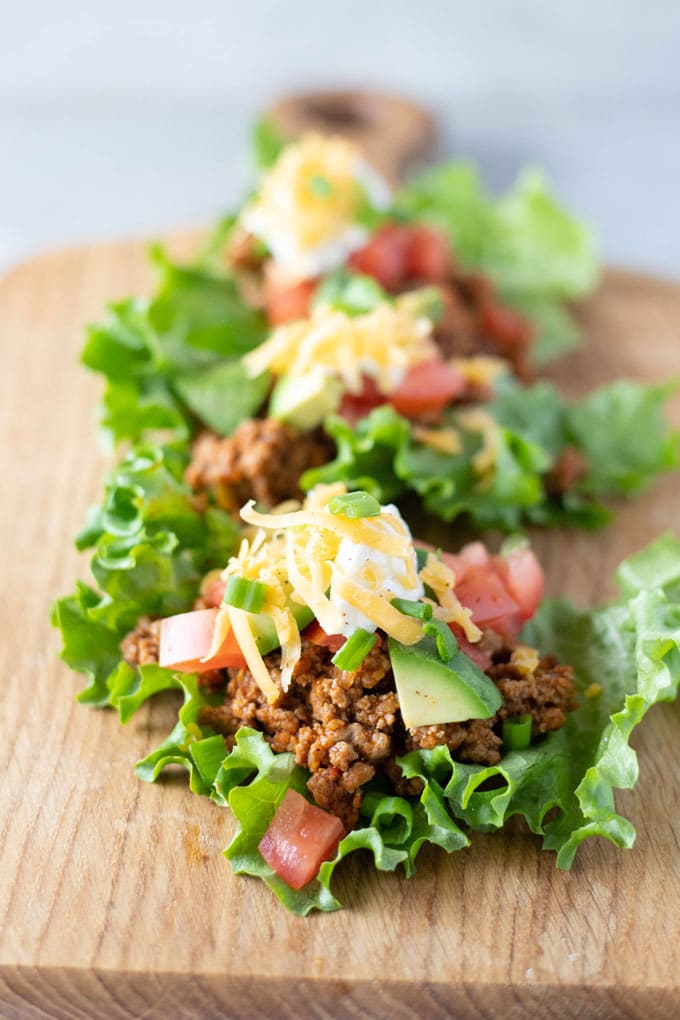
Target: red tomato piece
point(524, 580)
point(186, 639)
point(491, 605)
point(355, 406)
point(504, 327)
point(299, 839)
point(213, 591)
point(318, 636)
point(426, 387)
point(385, 256)
point(429, 258)
point(287, 300)
point(479, 656)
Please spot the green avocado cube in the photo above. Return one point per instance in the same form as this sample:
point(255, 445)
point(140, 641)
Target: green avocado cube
point(304, 401)
point(432, 691)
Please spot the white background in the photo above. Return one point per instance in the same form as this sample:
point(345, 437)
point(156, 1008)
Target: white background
point(130, 117)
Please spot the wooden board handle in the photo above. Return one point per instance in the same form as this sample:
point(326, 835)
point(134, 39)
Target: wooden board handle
point(393, 132)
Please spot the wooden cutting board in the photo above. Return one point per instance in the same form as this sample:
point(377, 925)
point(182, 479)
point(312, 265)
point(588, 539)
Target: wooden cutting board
point(115, 901)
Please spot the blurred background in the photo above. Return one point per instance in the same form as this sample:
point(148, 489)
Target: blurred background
point(133, 117)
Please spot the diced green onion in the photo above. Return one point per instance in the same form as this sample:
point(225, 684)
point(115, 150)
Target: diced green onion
point(354, 505)
point(447, 646)
point(419, 610)
point(354, 650)
point(242, 593)
point(513, 542)
point(321, 186)
point(517, 732)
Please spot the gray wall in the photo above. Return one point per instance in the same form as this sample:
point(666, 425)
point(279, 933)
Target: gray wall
point(131, 116)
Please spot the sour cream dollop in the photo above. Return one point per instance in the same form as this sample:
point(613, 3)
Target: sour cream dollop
point(376, 571)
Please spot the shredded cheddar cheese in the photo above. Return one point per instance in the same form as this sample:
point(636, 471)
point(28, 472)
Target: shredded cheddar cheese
point(445, 440)
point(382, 344)
point(347, 571)
point(308, 203)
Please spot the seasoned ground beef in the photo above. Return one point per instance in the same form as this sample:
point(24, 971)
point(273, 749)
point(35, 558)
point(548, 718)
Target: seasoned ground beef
point(474, 322)
point(140, 646)
point(263, 460)
point(346, 727)
point(568, 469)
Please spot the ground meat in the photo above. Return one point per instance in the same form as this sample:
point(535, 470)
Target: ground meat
point(474, 322)
point(140, 646)
point(546, 694)
point(568, 469)
point(263, 460)
point(346, 727)
point(473, 741)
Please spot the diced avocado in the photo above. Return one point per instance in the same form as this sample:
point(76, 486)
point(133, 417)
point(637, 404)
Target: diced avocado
point(433, 691)
point(304, 401)
point(265, 631)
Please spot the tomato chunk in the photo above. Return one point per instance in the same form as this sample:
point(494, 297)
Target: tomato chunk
point(186, 640)
point(479, 656)
point(318, 636)
point(524, 579)
point(490, 603)
point(299, 839)
point(355, 406)
point(505, 327)
point(385, 256)
point(429, 258)
point(286, 300)
point(428, 386)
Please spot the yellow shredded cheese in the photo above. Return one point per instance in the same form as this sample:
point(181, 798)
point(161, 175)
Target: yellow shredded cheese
point(362, 531)
point(444, 440)
point(476, 419)
point(480, 370)
point(382, 344)
point(378, 608)
point(438, 576)
point(251, 653)
point(526, 659)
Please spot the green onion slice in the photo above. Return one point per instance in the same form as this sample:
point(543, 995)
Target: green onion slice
point(419, 610)
point(242, 593)
point(517, 732)
point(354, 505)
point(447, 646)
point(354, 650)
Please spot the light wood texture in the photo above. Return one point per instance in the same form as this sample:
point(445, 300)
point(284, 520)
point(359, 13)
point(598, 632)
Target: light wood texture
point(115, 901)
point(394, 132)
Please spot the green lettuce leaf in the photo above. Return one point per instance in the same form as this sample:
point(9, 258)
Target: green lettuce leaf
point(161, 358)
point(619, 430)
point(151, 548)
point(626, 658)
point(192, 746)
point(538, 256)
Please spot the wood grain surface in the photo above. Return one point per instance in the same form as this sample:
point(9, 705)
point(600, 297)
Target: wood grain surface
point(115, 901)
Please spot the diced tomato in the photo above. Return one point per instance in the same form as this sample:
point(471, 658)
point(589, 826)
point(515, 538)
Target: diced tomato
point(355, 406)
point(286, 300)
point(318, 636)
point(479, 656)
point(186, 640)
point(213, 591)
point(299, 839)
point(504, 327)
point(474, 554)
point(429, 257)
point(385, 256)
point(524, 579)
point(483, 592)
point(428, 386)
